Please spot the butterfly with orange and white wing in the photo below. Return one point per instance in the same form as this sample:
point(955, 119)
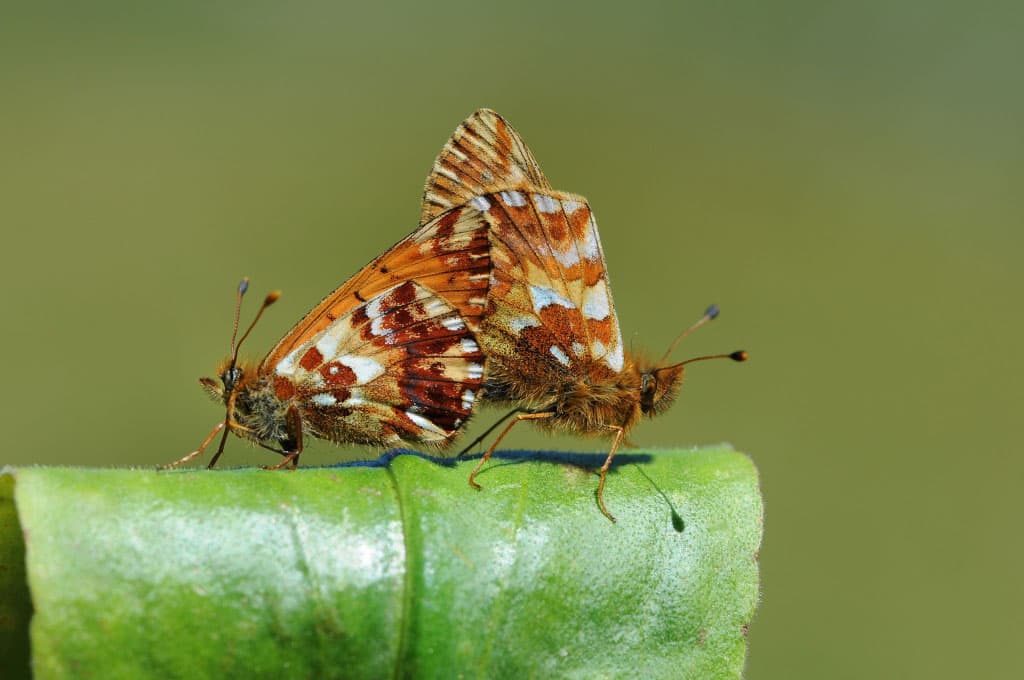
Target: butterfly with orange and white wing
point(388, 358)
point(550, 333)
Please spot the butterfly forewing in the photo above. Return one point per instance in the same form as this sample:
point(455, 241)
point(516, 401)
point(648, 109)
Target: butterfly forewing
point(484, 155)
point(401, 366)
point(450, 252)
point(450, 256)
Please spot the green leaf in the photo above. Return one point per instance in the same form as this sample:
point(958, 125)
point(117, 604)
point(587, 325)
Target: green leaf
point(15, 604)
point(394, 569)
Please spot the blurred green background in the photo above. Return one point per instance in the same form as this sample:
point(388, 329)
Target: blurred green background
point(844, 180)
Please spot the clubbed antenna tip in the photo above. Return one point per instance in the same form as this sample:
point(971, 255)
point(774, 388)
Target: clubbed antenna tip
point(243, 286)
point(710, 313)
point(739, 355)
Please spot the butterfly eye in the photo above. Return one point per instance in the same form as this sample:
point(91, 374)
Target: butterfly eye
point(230, 378)
point(648, 387)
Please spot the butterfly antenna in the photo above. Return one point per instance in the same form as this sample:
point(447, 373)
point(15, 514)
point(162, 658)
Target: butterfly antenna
point(273, 297)
point(738, 355)
point(710, 314)
point(242, 287)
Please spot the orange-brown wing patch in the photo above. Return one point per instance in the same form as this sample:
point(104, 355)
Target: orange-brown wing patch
point(484, 155)
point(549, 297)
point(450, 256)
point(401, 367)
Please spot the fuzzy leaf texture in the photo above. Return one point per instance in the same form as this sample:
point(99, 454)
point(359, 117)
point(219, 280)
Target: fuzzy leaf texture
point(393, 569)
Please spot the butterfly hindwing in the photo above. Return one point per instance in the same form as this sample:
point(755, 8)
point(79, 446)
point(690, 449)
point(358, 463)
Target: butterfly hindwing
point(485, 154)
point(549, 294)
point(403, 366)
point(549, 291)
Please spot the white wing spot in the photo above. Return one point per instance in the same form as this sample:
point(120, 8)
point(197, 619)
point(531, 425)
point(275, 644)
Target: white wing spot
point(615, 359)
point(480, 203)
point(377, 327)
point(544, 296)
point(513, 199)
point(570, 206)
point(591, 245)
point(435, 307)
point(424, 423)
point(453, 323)
point(597, 349)
point(469, 346)
point(518, 323)
point(287, 365)
point(467, 399)
point(373, 306)
point(475, 371)
point(569, 257)
point(562, 357)
point(595, 301)
point(578, 348)
point(366, 369)
point(545, 204)
point(324, 399)
point(328, 345)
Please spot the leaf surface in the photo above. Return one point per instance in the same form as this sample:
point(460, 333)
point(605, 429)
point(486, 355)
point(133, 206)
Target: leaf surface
point(390, 569)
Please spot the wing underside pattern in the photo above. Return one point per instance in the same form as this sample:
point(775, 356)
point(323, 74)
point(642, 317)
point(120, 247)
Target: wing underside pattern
point(549, 293)
point(449, 256)
point(403, 366)
point(484, 155)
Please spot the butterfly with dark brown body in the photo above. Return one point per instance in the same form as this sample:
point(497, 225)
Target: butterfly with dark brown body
point(550, 332)
point(387, 358)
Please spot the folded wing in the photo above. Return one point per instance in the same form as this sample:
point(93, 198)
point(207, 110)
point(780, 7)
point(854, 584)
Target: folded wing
point(484, 155)
point(401, 367)
point(549, 295)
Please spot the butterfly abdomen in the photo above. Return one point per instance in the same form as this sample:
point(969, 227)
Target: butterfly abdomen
point(581, 404)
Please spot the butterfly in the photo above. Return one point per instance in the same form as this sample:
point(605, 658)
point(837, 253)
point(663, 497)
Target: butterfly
point(388, 358)
point(550, 332)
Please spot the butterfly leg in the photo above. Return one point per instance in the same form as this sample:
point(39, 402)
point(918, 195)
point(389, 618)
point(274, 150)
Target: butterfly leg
point(488, 432)
point(521, 416)
point(197, 452)
point(291, 453)
point(229, 424)
point(619, 432)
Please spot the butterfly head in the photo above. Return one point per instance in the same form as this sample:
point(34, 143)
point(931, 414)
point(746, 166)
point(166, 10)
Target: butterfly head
point(232, 377)
point(235, 377)
point(659, 385)
point(659, 388)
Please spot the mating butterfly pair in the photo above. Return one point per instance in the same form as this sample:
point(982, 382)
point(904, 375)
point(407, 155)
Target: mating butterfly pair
point(501, 295)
